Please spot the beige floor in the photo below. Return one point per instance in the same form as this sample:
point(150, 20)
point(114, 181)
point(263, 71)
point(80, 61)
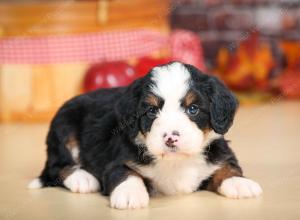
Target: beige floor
point(266, 139)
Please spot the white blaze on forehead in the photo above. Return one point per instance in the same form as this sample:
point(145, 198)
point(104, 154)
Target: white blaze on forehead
point(171, 82)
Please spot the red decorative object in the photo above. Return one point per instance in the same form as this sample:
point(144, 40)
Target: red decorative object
point(289, 84)
point(107, 75)
point(186, 47)
point(289, 81)
point(146, 63)
point(248, 67)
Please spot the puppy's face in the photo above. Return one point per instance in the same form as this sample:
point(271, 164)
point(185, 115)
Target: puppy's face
point(181, 110)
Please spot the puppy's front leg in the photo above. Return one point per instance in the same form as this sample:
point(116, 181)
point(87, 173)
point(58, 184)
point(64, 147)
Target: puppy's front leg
point(130, 194)
point(228, 181)
point(127, 189)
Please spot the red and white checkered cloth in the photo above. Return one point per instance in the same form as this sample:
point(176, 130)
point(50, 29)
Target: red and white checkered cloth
point(92, 47)
point(98, 47)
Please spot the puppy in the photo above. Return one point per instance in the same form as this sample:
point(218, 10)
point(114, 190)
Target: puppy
point(162, 135)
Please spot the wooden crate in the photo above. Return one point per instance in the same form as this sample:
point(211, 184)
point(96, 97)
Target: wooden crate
point(68, 16)
point(34, 92)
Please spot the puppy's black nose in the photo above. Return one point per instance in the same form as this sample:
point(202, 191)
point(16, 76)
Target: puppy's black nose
point(171, 138)
point(170, 143)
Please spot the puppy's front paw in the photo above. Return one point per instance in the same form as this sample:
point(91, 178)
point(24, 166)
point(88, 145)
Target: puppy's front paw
point(239, 187)
point(130, 194)
point(80, 181)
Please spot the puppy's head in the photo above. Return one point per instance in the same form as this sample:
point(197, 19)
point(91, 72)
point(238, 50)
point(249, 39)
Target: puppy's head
point(176, 110)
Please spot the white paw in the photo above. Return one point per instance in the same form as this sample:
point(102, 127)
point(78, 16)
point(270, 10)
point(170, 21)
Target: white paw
point(81, 181)
point(130, 194)
point(35, 184)
point(239, 187)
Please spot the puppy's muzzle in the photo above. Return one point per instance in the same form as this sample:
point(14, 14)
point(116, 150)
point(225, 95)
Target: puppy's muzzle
point(171, 139)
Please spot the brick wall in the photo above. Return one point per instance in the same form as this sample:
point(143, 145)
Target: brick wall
point(221, 24)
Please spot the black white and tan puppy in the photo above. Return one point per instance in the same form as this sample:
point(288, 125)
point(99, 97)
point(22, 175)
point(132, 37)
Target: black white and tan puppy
point(161, 135)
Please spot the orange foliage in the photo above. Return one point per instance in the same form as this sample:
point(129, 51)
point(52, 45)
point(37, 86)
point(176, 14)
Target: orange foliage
point(289, 81)
point(248, 67)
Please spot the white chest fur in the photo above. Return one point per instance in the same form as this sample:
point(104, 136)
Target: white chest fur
point(171, 177)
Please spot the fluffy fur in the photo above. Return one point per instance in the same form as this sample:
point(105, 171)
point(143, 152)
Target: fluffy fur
point(163, 134)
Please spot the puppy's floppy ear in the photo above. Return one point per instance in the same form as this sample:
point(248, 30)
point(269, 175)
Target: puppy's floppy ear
point(223, 105)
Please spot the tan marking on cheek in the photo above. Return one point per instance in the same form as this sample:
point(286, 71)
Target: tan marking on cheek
point(145, 136)
point(221, 174)
point(141, 138)
point(190, 98)
point(206, 131)
point(152, 100)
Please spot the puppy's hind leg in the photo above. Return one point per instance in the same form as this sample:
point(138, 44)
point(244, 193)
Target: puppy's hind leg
point(62, 167)
point(58, 157)
point(70, 175)
point(75, 178)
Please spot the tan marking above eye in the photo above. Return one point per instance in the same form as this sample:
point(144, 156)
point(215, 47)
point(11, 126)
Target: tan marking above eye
point(152, 100)
point(190, 98)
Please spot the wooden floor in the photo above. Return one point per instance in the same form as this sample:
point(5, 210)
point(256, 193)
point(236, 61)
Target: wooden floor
point(266, 139)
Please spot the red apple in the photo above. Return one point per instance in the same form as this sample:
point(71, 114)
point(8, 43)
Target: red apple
point(146, 63)
point(107, 75)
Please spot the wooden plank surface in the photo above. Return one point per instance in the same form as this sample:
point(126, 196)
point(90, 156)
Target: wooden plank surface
point(268, 151)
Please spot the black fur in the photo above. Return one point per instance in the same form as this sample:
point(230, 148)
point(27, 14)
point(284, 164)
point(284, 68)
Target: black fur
point(222, 103)
point(106, 122)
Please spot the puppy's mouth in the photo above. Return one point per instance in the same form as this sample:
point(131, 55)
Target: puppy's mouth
point(173, 152)
point(172, 148)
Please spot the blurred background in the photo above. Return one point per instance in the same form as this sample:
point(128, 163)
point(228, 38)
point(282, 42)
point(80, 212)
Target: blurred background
point(53, 50)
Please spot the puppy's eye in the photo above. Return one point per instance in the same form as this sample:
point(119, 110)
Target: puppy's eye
point(152, 111)
point(192, 110)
